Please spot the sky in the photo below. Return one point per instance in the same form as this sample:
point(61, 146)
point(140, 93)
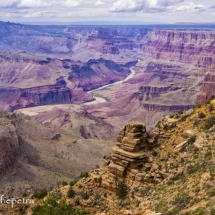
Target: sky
point(126, 11)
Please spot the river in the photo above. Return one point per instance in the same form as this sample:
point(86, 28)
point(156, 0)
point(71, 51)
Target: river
point(99, 99)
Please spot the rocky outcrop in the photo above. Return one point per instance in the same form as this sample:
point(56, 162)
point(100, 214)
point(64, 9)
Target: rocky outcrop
point(130, 161)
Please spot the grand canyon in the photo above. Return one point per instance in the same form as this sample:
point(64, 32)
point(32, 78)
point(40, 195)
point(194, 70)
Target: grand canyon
point(66, 92)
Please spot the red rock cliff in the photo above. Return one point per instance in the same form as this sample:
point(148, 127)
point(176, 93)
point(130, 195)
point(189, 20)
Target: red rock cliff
point(182, 46)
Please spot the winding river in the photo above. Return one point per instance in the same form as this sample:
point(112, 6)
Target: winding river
point(99, 99)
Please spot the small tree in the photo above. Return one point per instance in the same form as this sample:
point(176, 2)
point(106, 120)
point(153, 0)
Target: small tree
point(70, 193)
point(121, 190)
point(201, 115)
point(40, 193)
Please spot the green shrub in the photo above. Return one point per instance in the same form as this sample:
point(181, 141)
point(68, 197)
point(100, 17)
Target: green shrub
point(40, 193)
point(192, 169)
point(73, 182)
point(85, 196)
point(51, 206)
point(212, 97)
point(77, 201)
point(171, 116)
point(64, 183)
point(201, 115)
point(84, 175)
point(184, 117)
point(211, 193)
point(121, 190)
point(180, 112)
point(192, 139)
point(207, 102)
point(177, 176)
point(211, 107)
point(70, 193)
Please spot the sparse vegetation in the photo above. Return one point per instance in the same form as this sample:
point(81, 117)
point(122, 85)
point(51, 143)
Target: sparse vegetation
point(121, 190)
point(64, 183)
point(52, 206)
point(212, 97)
point(211, 107)
point(191, 139)
point(184, 117)
point(40, 193)
point(85, 195)
point(201, 115)
point(207, 102)
point(161, 206)
point(182, 200)
point(171, 115)
point(197, 106)
point(84, 175)
point(70, 193)
point(73, 182)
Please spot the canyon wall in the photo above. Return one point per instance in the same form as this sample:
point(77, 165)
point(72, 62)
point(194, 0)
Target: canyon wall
point(196, 47)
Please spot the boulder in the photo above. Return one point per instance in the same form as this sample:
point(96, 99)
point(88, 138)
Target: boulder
point(199, 142)
point(188, 133)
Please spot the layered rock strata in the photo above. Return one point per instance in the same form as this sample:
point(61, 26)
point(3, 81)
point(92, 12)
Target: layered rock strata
point(182, 46)
point(128, 153)
point(131, 160)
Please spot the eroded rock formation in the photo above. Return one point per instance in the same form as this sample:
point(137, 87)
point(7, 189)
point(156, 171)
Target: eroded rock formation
point(130, 161)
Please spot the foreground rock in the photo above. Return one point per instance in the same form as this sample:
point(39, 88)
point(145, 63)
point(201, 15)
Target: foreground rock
point(131, 160)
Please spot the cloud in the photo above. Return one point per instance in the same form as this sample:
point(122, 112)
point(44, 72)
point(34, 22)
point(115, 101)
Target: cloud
point(143, 5)
point(9, 4)
point(33, 3)
point(73, 3)
point(191, 8)
point(98, 3)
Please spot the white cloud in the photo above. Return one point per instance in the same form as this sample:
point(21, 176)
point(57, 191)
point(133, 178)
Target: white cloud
point(143, 5)
point(33, 3)
point(73, 3)
point(98, 3)
point(191, 8)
